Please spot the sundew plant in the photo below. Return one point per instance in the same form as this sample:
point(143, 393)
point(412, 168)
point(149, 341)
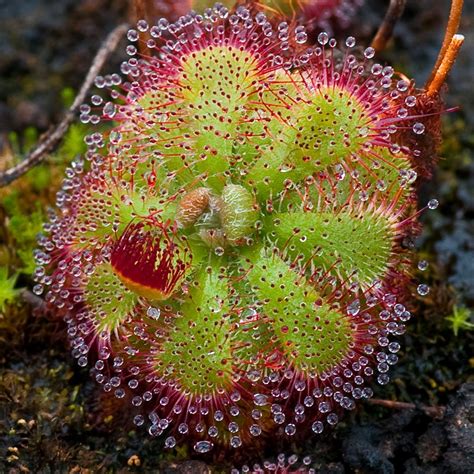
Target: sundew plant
point(232, 257)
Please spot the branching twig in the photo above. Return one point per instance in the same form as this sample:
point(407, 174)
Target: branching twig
point(435, 412)
point(446, 65)
point(142, 12)
point(54, 137)
point(451, 29)
point(385, 31)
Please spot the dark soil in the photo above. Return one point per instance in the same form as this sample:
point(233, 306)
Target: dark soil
point(52, 418)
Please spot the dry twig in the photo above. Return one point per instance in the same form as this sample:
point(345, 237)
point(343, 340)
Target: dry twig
point(447, 62)
point(52, 138)
point(435, 412)
point(451, 29)
point(144, 11)
point(385, 31)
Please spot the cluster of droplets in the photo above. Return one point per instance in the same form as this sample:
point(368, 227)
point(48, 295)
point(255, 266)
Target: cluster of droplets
point(282, 465)
point(230, 256)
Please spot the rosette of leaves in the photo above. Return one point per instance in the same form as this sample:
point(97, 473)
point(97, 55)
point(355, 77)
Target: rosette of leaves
point(228, 256)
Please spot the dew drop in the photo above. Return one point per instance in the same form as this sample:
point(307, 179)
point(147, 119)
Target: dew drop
point(376, 69)
point(235, 441)
point(109, 109)
point(422, 265)
point(260, 399)
point(99, 82)
point(369, 53)
point(412, 176)
point(350, 42)
point(433, 204)
point(183, 428)
point(353, 308)
point(132, 35)
point(301, 37)
point(138, 420)
point(155, 32)
point(131, 50)
point(423, 289)
point(383, 379)
point(381, 185)
point(394, 347)
point(120, 393)
point(323, 38)
point(137, 401)
point(419, 128)
point(255, 430)
point(402, 112)
point(115, 137)
point(170, 442)
point(142, 25)
point(317, 427)
point(332, 419)
point(219, 251)
point(402, 86)
point(153, 313)
point(96, 99)
point(155, 430)
point(290, 429)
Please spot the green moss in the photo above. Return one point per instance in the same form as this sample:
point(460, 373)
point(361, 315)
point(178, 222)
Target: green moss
point(25, 201)
point(73, 144)
point(24, 228)
point(460, 320)
point(8, 293)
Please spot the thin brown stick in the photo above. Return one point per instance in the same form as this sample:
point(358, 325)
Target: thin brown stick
point(385, 31)
point(140, 10)
point(446, 65)
point(451, 29)
point(144, 11)
point(435, 412)
point(52, 138)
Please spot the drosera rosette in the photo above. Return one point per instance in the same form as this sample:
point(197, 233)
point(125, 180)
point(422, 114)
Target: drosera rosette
point(230, 257)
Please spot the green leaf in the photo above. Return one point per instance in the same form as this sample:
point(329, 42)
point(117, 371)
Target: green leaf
point(7, 288)
point(460, 320)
